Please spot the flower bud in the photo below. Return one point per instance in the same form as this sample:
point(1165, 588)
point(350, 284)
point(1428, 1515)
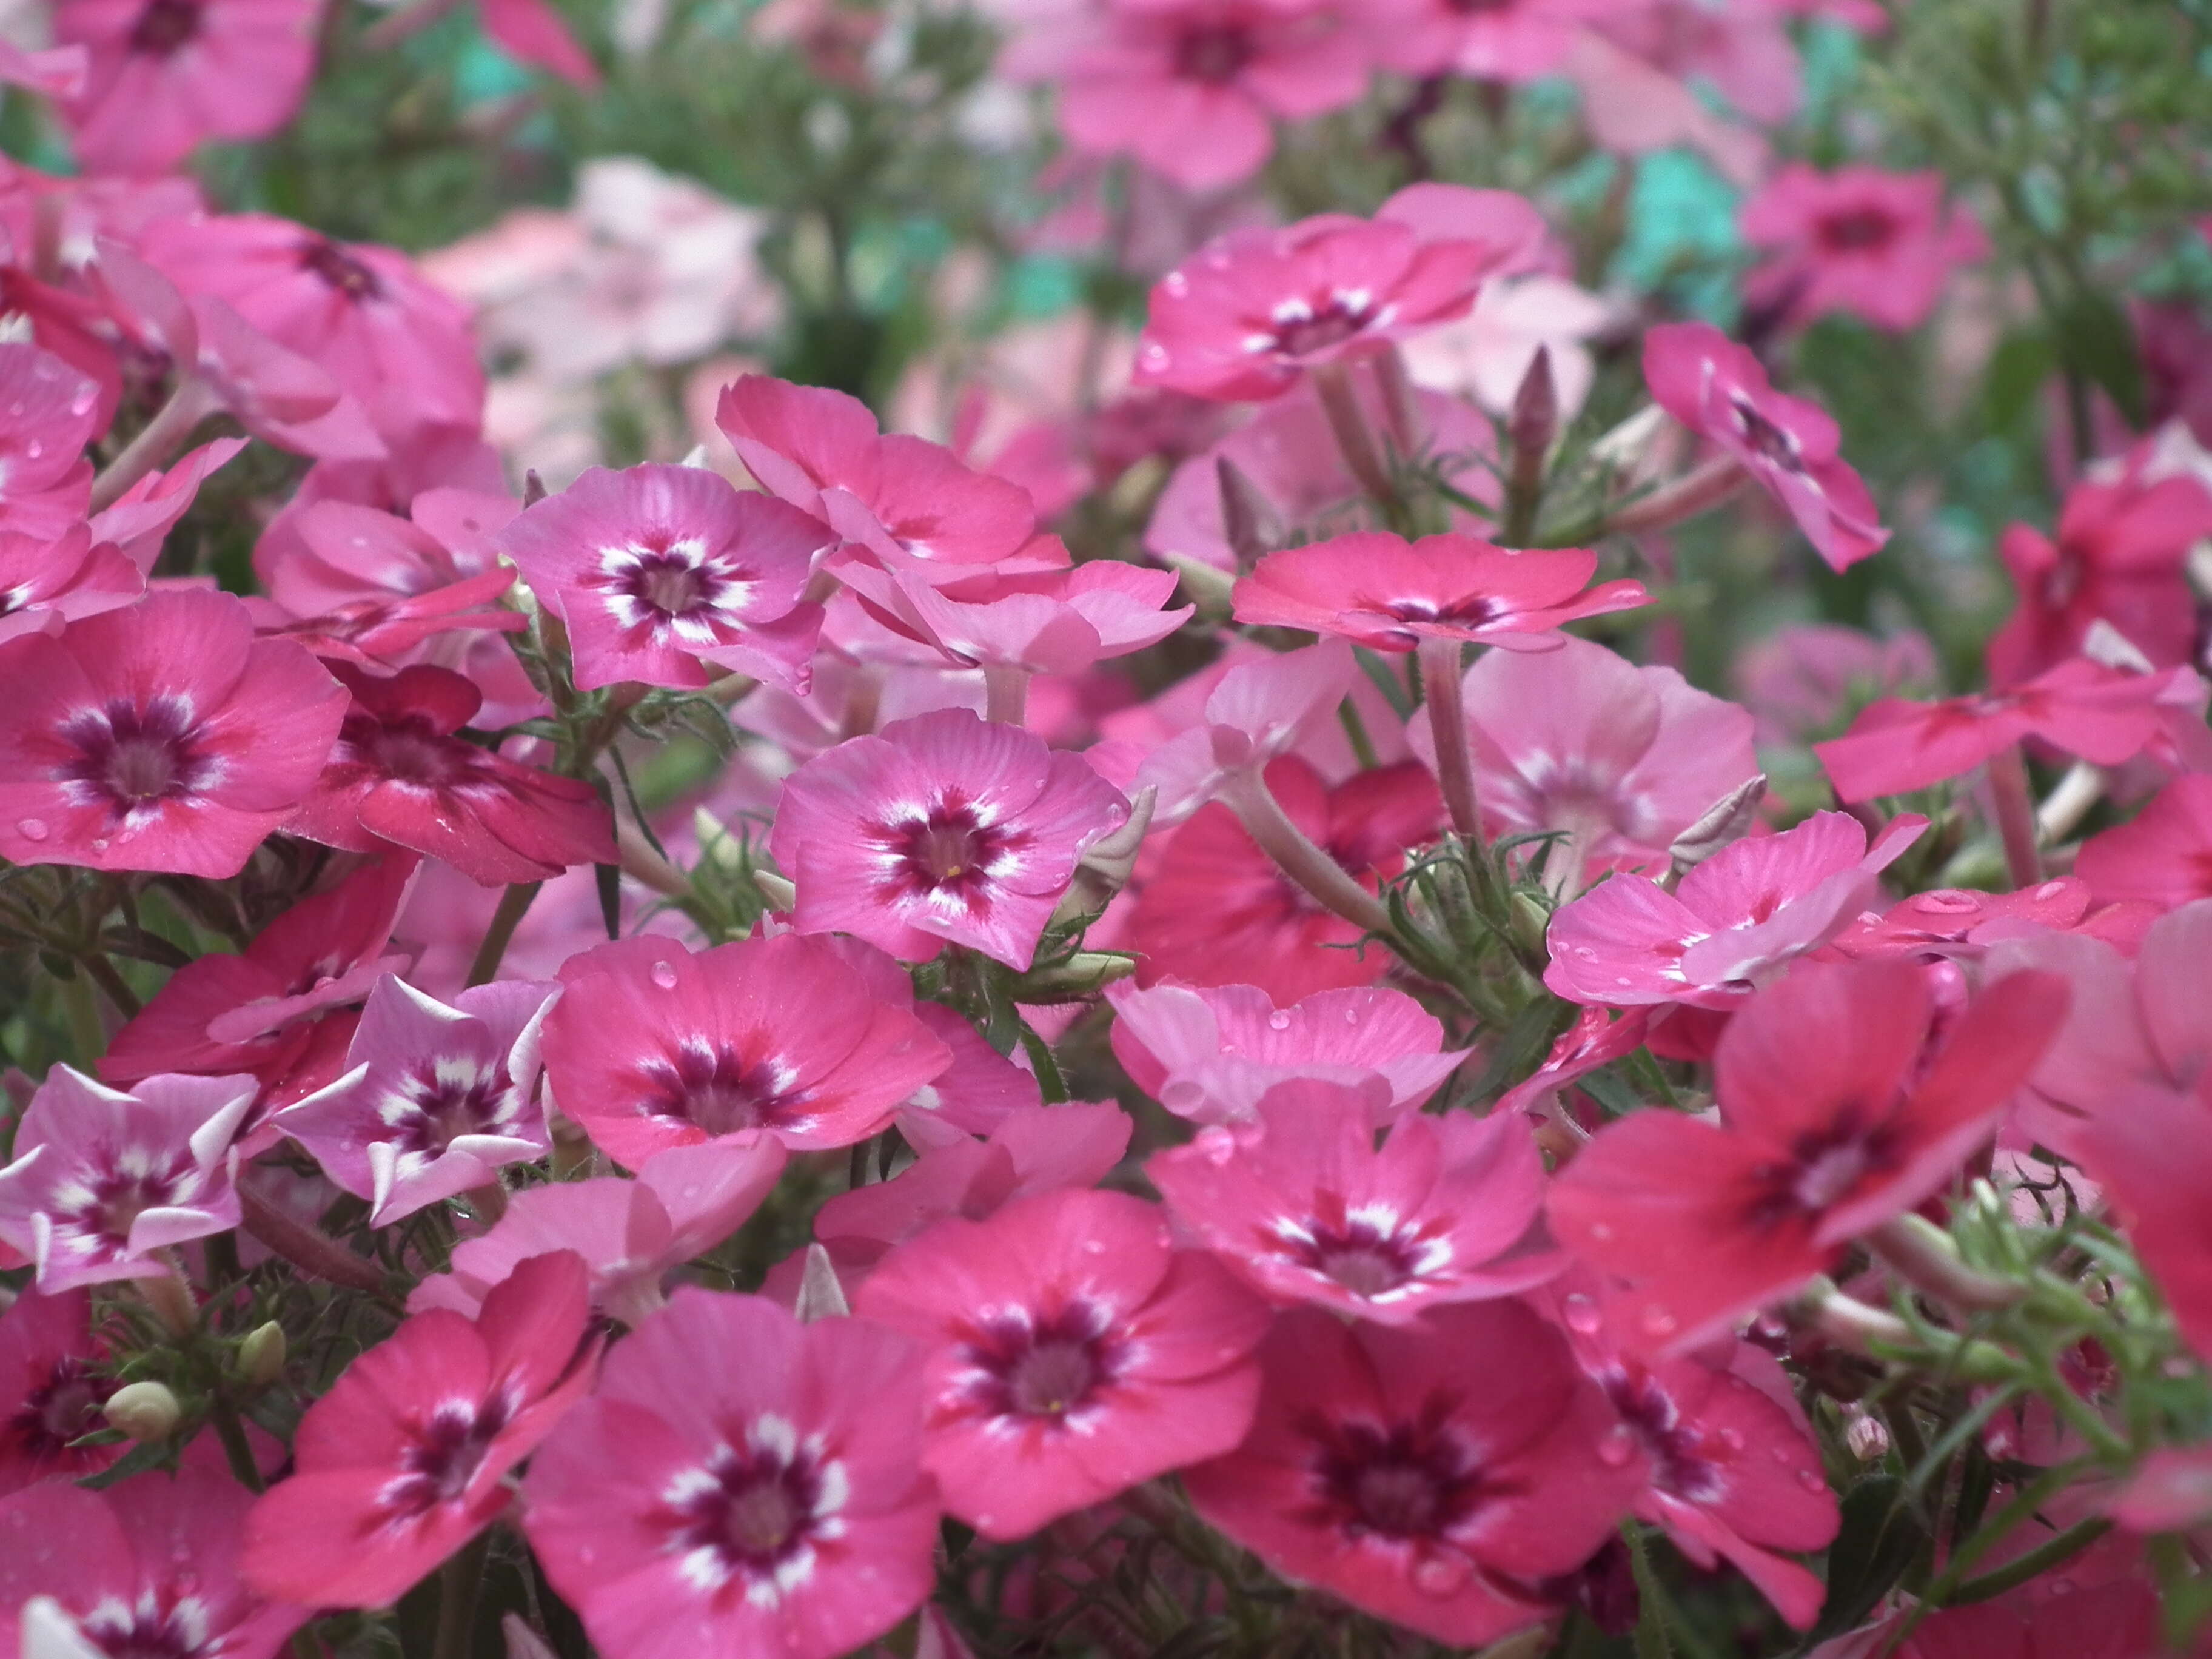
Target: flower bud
point(261, 1355)
point(779, 893)
point(821, 1296)
point(1728, 819)
point(1082, 974)
point(1866, 1435)
point(146, 1411)
point(1530, 921)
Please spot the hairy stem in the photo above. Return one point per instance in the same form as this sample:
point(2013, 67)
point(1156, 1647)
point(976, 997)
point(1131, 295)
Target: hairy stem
point(1265, 820)
point(1440, 689)
point(504, 921)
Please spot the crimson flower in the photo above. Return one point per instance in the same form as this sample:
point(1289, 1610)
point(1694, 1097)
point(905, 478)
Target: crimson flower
point(654, 1047)
point(2104, 714)
point(161, 737)
point(2162, 855)
point(1717, 389)
point(1381, 591)
point(51, 1391)
point(2152, 1150)
point(1072, 1353)
point(1432, 1475)
point(945, 828)
point(399, 777)
point(406, 1458)
point(1306, 1207)
point(1833, 1120)
point(740, 1483)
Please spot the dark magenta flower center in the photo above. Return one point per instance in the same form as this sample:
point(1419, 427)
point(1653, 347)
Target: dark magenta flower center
point(448, 1449)
point(1303, 328)
point(58, 1410)
point(431, 1110)
point(1410, 1481)
point(1860, 230)
point(1214, 56)
point(1824, 1168)
point(1048, 1367)
point(151, 1629)
point(1679, 1465)
point(131, 756)
point(1362, 1255)
point(754, 1512)
point(341, 269)
point(949, 849)
point(668, 582)
point(722, 1089)
point(1766, 440)
point(165, 26)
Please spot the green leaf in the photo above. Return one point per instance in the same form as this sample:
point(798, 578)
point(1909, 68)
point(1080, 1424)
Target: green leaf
point(2096, 343)
point(610, 879)
point(1879, 1536)
point(2023, 360)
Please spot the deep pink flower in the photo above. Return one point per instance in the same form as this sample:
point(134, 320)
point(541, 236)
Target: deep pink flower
point(1061, 622)
point(942, 828)
point(45, 586)
point(48, 413)
point(399, 776)
point(1734, 1472)
point(166, 74)
point(1734, 922)
point(1072, 1353)
point(1383, 591)
point(1306, 1206)
point(1806, 681)
point(1216, 910)
point(1962, 924)
point(142, 517)
point(1514, 41)
point(2151, 1150)
point(661, 571)
point(1191, 87)
point(911, 503)
point(159, 737)
point(2119, 556)
point(2171, 1490)
point(1248, 316)
point(2104, 715)
point(436, 1097)
point(1209, 1054)
point(363, 313)
point(654, 1047)
point(1430, 1475)
point(1621, 758)
point(149, 1566)
point(1261, 708)
point(102, 1181)
point(50, 1391)
point(406, 1458)
point(1717, 389)
point(252, 1010)
point(1875, 244)
point(2163, 855)
point(631, 1233)
point(1596, 1039)
point(740, 1483)
point(1833, 1119)
point(533, 32)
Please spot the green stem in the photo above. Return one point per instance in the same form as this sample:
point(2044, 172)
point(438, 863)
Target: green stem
point(2015, 812)
point(87, 1036)
point(2059, 1546)
point(235, 1446)
point(1050, 1083)
point(103, 976)
point(1440, 691)
point(458, 1581)
point(504, 921)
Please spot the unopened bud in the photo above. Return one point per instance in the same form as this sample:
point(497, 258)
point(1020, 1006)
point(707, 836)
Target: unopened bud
point(820, 1294)
point(1626, 447)
point(1211, 590)
point(1534, 423)
point(1866, 1435)
point(780, 894)
point(1728, 819)
point(1531, 922)
point(261, 1355)
point(533, 487)
point(1245, 514)
point(146, 1411)
point(1084, 973)
point(1116, 855)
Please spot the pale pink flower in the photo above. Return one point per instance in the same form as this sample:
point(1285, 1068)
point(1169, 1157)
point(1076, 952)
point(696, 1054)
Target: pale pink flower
point(1878, 244)
point(942, 829)
point(1513, 41)
point(45, 586)
point(1805, 681)
point(1261, 708)
point(1487, 354)
point(1059, 622)
point(102, 1181)
point(49, 412)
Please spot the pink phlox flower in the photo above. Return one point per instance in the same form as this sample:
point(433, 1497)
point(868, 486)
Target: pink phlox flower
point(1718, 390)
point(1595, 1039)
point(166, 74)
point(2171, 1490)
point(1733, 1474)
point(149, 1566)
point(252, 1010)
point(56, 72)
point(1385, 592)
point(437, 1098)
point(1877, 245)
point(1962, 924)
point(1619, 758)
point(102, 1181)
point(142, 517)
point(1059, 623)
point(910, 503)
point(48, 413)
point(2162, 856)
point(1251, 314)
point(363, 313)
point(2104, 715)
point(1733, 923)
point(974, 1094)
point(631, 1234)
point(940, 828)
point(740, 1483)
point(1632, 107)
point(1513, 41)
point(1307, 1208)
point(2150, 1149)
point(1072, 1353)
point(1429, 1474)
point(1739, 48)
point(1260, 709)
point(47, 585)
point(1512, 229)
point(1035, 1149)
point(407, 1458)
point(51, 1391)
point(1191, 88)
point(2144, 1023)
point(1216, 910)
point(665, 572)
point(159, 737)
point(1288, 455)
point(655, 1047)
point(533, 32)
point(1210, 1054)
point(1834, 1117)
point(1808, 680)
point(1486, 354)
point(400, 776)
point(2119, 556)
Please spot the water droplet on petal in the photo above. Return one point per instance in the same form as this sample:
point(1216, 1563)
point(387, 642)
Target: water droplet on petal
point(1279, 1021)
point(1658, 1321)
point(31, 828)
point(1445, 1573)
point(1730, 1438)
point(2062, 1586)
point(1616, 1445)
point(1601, 1230)
point(1812, 1480)
point(1352, 1016)
point(100, 843)
point(1580, 1314)
point(2051, 890)
point(664, 974)
point(1216, 1145)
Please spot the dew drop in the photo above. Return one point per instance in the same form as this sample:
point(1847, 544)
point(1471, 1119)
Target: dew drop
point(1352, 1016)
point(2062, 1586)
point(1216, 1145)
point(100, 843)
point(1812, 1480)
point(1601, 1230)
point(1732, 1439)
point(34, 449)
point(2051, 890)
point(1580, 1315)
point(1780, 1454)
point(1616, 1446)
point(1658, 1321)
point(1442, 1574)
point(1279, 1021)
point(664, 974)
point(1154, 358)
point(31, 828)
